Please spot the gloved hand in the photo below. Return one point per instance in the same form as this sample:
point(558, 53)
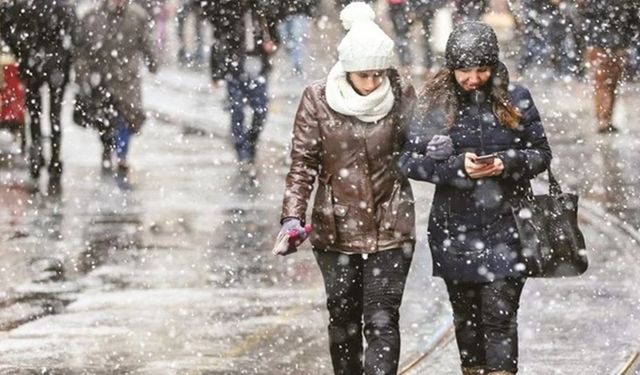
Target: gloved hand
point(440, 147)
point(294, 226)
point(293, 233)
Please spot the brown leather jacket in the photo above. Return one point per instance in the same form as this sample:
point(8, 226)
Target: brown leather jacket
point(361, 205)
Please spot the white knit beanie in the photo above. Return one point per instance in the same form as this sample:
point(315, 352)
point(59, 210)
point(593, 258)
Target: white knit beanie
point(366, 46)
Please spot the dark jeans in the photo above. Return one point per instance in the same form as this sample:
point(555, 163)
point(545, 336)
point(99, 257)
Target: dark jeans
point(33, 104)
point(122, 139)
point(370, 291)
point(115, 135)
point(253, 92)
point(486, 322)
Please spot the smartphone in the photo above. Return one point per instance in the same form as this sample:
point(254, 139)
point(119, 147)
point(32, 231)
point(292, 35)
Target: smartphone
point(485, 159)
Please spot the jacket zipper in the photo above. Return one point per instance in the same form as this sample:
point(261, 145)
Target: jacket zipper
point(477, 103)
point(361, 135)
point(481, 125)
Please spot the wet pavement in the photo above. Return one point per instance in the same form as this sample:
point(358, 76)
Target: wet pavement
point(176, 276)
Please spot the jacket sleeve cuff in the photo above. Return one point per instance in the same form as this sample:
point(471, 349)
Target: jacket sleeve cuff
point(511, 161)
point(458, 166)
point(287, 218)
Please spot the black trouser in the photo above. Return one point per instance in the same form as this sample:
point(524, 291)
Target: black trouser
point(360, 288)
point(486, 321)
point(53, 74)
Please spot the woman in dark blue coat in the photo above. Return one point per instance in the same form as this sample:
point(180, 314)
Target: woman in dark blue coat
point(469, 109)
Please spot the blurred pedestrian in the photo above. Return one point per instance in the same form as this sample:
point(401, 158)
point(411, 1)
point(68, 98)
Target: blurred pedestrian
point(114, 43)
point(245, 38)
point(347, 132)
point(39, 33)
point(612, 28)
point(403, 13)
point(294, 29)
point(546, 35)
point(472, 231)
point(574, 43)
point(193, 8)
point(159, 13)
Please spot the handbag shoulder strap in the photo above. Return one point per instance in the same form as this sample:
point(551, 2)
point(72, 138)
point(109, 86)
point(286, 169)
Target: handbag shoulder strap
point(554, 186)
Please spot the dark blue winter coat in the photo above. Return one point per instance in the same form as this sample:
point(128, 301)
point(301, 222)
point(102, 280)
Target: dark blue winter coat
point(472, 233)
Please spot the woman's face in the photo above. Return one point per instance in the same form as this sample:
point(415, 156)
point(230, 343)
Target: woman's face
point(366, 81)
point(472, 78)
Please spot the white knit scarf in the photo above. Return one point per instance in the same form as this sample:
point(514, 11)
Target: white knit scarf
point(344, 99)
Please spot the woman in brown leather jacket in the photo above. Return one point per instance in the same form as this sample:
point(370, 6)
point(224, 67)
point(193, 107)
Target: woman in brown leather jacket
point(347, 132)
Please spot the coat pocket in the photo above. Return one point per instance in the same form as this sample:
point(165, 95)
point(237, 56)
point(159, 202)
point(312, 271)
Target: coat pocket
point(398, 212)
point(343, 223)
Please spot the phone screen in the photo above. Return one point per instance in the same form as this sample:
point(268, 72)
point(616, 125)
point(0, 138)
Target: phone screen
point(485, 159)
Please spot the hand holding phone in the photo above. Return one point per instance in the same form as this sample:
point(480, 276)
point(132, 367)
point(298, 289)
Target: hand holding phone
point(482, 166)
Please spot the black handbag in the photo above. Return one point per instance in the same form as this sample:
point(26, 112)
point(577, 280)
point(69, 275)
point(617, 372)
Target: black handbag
point(93, 110)
point(552, 244)
point(84, 111)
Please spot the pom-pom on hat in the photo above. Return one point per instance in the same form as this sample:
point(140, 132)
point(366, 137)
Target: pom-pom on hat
point(366, 46)
point(471, 44)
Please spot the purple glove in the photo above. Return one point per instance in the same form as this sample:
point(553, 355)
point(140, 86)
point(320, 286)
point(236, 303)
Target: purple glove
point(293, 225)
point(440, 147)
point(291, 235)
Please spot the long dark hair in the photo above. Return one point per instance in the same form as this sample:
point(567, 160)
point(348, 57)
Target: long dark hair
point(441, 91)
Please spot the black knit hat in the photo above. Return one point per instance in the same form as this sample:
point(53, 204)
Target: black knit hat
point(471, 44)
